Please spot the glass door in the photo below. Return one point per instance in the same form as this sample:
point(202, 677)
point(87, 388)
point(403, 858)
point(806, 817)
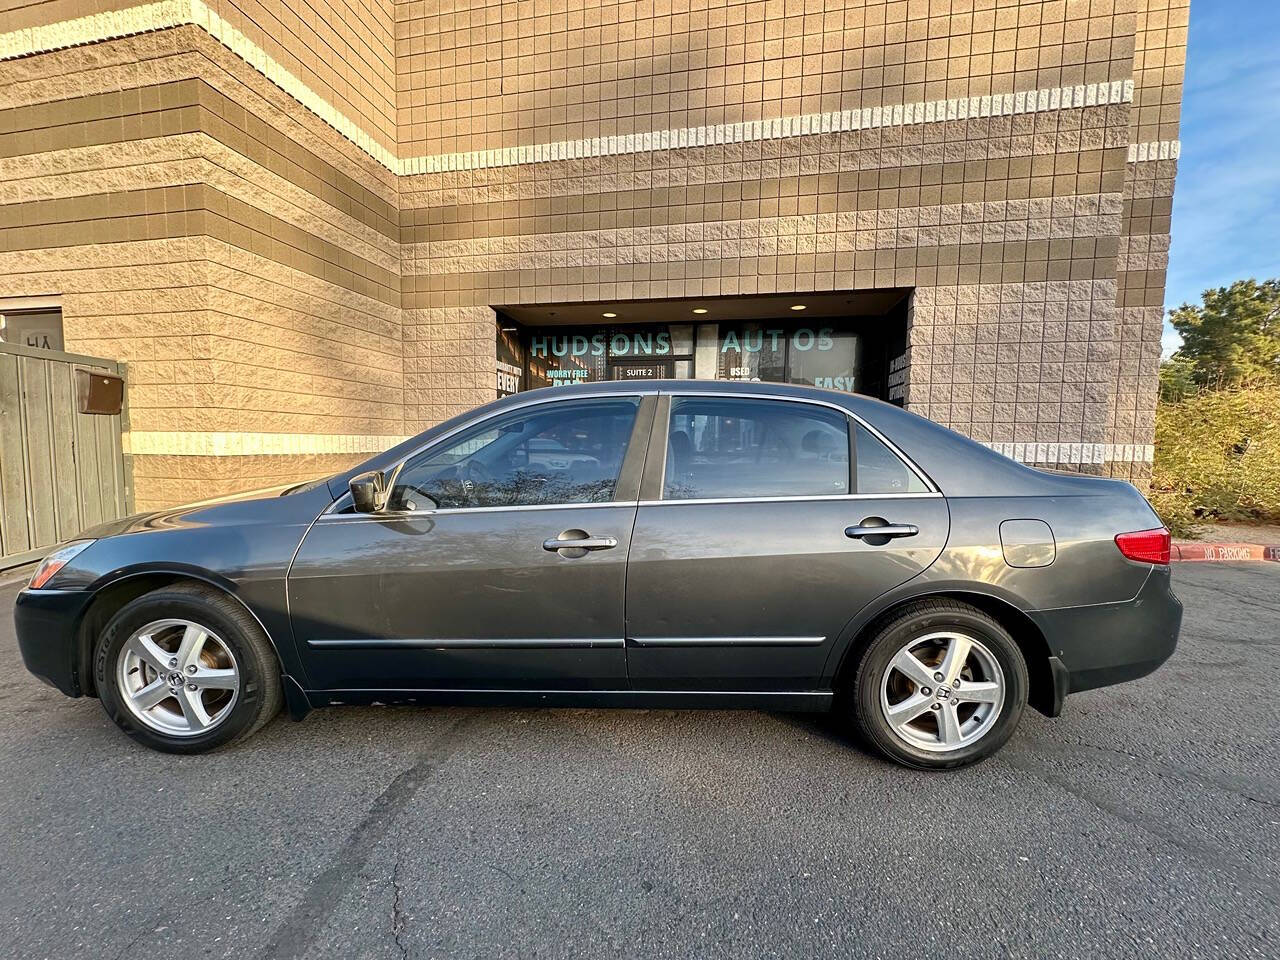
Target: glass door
point(640, 370)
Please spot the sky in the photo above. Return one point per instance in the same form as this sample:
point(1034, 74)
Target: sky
point(1226, 201)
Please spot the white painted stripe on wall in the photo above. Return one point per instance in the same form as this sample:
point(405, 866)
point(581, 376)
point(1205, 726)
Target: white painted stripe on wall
point(233, 444)
point(836, 121)
point(1155, 150)
point(1076, 453)
point(172, 13)
point(161, 443)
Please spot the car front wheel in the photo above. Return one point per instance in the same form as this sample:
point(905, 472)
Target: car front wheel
point(940, 685)
point(185, 669)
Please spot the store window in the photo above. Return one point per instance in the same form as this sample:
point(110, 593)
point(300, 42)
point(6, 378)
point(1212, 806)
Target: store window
point(721, 447)
point(554, 453)
point(824, 357)
point(560, 355)
point(752, 351)
point(32, 322)
point(766, 351)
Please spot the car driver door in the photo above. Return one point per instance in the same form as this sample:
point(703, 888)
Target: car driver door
point(499, 562)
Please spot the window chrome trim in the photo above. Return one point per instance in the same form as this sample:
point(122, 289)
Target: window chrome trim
point(470, 643)
point(817, 497)
point(893, 447)
point(450, 511)
point(727, 641)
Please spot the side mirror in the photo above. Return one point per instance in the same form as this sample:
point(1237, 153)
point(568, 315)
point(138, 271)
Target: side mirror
point(369, 492)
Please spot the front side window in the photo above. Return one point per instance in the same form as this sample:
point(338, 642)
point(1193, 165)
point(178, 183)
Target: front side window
point(723, 447)
point(560, 452)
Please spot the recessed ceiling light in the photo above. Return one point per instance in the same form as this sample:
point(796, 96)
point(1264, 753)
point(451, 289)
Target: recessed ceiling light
point(699, 309)
point(797, 306)
point(609, 316)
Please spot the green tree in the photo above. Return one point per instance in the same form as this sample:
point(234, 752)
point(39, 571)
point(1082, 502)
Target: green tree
point(1233, 336)
point(1177, 379)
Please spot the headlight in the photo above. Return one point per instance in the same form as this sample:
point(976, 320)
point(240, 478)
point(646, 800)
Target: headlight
point(55, 561)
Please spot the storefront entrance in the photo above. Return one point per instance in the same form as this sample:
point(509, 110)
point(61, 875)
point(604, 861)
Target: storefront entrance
point(848, 342)
point(641, 370)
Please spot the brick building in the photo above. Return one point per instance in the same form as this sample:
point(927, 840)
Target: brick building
point(313, 227)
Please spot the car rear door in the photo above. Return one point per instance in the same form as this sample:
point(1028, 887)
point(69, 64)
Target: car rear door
point(499, 564)
point(755, 540)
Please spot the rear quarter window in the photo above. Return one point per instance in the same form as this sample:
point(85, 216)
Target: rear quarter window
point(879, 469)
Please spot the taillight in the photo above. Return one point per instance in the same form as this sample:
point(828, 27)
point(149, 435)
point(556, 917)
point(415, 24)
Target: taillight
point(1146, 546)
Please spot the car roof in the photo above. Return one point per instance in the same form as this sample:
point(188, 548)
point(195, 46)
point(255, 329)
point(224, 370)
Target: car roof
point(633, 387)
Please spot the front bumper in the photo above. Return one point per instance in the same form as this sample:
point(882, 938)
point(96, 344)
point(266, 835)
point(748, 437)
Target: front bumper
point(1109, 643)
point(47, 623)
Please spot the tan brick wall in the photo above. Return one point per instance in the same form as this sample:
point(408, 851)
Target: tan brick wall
point(1007, 226)
point(476, 74)
point(269, 268)
point(344, 51)
point(1159, 61)
point(163, 481)
point(199, 225)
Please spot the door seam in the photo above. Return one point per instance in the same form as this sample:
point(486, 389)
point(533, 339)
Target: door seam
point(631, 542)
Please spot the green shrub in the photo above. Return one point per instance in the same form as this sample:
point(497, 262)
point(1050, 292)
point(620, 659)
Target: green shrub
point(1217, 457)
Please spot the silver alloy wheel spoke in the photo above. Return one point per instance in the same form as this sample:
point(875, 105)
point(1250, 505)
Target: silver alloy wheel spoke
point(193, 709)
point(153, 693)
point(207, 678)
point(978, 691)
point(912, 668)
point(949, 725)
point(909, 709)
point(146, 649)
point(956, 657)
point(189, 650)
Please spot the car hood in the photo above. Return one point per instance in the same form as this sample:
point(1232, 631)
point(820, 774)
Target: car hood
point(279, 502)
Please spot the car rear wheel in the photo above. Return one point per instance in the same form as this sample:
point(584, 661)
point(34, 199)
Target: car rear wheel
point(185, 669)
point(940, 685)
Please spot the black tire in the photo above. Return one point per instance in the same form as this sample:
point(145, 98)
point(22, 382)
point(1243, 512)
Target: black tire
point(259, 695)
point(911, 623)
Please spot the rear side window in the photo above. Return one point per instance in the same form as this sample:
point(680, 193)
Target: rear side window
point(723, 447)
point(880, 470)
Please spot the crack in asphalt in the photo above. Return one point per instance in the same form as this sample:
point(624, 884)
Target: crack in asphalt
point(397, 913)
point(128, 947)
point(304, 924)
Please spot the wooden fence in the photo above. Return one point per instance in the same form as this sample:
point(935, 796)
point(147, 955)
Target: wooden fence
point(61, 471)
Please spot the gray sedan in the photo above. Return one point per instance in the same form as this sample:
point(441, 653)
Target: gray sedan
point(694, 544)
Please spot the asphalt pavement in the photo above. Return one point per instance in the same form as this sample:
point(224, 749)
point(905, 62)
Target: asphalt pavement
point(1143, 822)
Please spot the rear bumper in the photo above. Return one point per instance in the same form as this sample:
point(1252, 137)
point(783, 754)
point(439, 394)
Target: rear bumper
point(1109, 643)
point(46, 623)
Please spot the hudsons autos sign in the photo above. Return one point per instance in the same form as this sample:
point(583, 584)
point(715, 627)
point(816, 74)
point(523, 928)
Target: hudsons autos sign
point(658, 343)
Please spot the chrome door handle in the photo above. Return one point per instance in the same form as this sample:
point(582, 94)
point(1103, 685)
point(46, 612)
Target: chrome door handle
point(889, 530)
point(582, 543)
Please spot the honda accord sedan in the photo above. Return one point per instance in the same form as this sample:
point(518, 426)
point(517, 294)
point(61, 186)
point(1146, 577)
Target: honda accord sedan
point(665, 544)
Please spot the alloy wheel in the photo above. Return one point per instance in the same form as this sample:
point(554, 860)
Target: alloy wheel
point(942, 691)
point(178, 677)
